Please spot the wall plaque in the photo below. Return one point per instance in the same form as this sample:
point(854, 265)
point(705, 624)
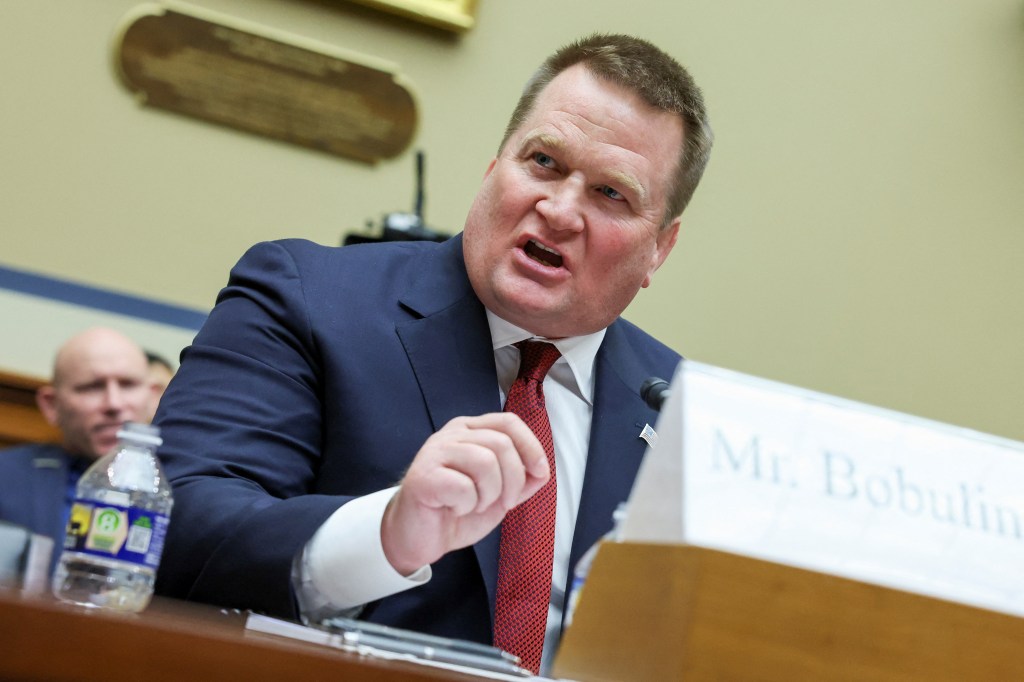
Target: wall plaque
point(248, 77)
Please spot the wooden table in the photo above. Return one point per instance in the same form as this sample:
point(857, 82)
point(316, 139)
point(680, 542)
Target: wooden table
point(42, 639)
point(20, 419)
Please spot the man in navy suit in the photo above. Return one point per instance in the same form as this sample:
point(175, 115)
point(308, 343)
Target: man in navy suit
point(335, 434)
point(99, 382)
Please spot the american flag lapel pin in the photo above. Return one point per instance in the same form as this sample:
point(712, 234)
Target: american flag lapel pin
point(649, 435)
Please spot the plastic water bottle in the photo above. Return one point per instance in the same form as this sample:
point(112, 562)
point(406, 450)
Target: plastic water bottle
point(116, 530)
point(582, 570)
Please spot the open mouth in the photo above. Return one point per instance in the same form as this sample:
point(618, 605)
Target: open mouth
point(543, 254)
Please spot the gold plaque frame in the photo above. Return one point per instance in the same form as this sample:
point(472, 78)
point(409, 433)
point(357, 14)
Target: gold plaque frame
point(249, 77)
point(453, 15)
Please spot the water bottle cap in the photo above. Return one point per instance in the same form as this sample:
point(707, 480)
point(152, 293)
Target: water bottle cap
point(144, 434)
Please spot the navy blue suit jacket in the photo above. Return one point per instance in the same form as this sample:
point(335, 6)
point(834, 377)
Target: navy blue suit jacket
point(34, 490)
point(318, 376)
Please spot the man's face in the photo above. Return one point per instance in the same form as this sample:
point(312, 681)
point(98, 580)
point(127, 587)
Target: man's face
point(566, 227)
point(99, 388)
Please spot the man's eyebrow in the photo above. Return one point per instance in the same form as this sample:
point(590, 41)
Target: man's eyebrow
point(546, 140)
point(629, 182)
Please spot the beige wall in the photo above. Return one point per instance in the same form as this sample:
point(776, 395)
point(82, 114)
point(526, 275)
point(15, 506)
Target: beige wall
point(860, 230)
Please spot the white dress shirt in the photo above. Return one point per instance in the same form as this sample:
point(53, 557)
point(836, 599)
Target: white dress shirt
point(343, 565)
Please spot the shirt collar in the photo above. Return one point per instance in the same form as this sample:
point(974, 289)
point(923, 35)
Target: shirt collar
point(578, 351)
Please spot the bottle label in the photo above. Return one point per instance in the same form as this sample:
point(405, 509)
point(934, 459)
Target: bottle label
point(115, 532)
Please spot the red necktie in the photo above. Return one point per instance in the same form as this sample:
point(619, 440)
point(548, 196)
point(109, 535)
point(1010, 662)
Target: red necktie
point(528, 531)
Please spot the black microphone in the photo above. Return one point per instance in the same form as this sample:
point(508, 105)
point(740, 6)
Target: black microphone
point(654, 391)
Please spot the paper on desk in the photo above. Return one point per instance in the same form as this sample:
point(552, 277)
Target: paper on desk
point(282, 628)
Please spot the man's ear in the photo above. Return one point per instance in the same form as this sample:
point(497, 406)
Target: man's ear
point(490, 167)
point(46, 400)
point(666, 240)
point(155, 393)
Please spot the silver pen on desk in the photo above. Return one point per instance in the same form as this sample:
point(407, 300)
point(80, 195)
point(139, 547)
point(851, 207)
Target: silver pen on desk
point(436, 641)
point(441, 654)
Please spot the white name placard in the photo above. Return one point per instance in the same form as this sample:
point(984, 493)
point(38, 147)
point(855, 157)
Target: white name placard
point(767, 470)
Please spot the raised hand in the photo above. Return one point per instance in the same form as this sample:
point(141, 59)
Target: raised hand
point(459, 487)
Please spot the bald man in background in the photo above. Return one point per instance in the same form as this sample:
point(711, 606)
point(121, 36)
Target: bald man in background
point(100, 381)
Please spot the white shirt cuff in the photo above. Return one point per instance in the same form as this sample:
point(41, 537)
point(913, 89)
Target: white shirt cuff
point(344, 562)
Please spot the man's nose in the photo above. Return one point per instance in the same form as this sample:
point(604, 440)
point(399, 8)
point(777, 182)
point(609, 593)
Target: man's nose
point(562, 206)
point(114, 397)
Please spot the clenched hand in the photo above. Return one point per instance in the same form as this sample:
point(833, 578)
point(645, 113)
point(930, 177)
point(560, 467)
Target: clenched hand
point(459, 487)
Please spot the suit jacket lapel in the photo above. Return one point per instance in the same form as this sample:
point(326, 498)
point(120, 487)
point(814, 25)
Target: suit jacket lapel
point(448, 343)
point(616, 448)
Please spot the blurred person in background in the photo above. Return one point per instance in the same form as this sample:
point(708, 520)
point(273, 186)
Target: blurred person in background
point(100, 381)
point(160, 373)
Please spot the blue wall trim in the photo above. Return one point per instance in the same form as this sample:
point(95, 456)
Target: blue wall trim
point(100, 299)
